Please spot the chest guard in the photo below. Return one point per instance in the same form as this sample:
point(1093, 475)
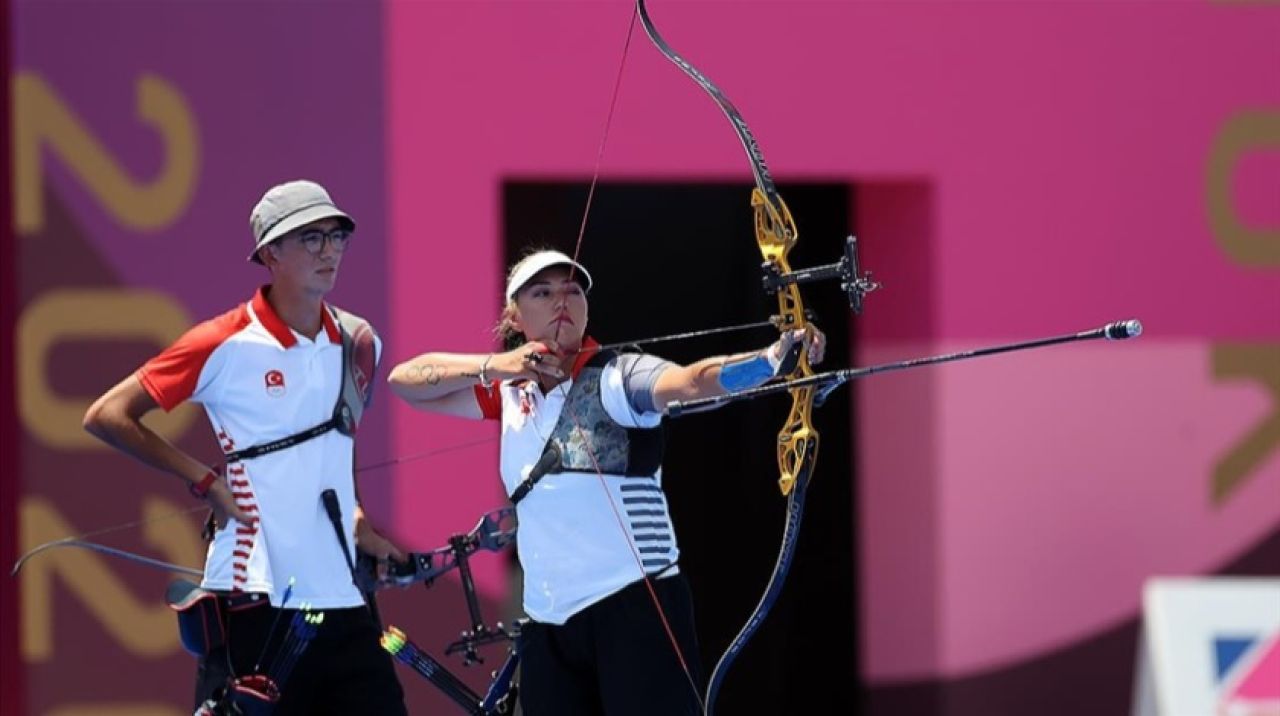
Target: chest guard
point(585, 427)
point(585, 430)
point(359, 361)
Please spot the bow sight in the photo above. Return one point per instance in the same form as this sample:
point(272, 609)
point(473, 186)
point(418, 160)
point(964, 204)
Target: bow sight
point(856, 285)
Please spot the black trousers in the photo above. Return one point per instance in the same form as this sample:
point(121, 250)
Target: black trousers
point(615, 658)
point(342, 671)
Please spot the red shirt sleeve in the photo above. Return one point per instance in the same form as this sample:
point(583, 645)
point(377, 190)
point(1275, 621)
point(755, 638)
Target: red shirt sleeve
point(173, 376)
point(489, 400)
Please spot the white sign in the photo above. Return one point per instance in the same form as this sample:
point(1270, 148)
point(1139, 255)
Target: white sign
point(1210, 647)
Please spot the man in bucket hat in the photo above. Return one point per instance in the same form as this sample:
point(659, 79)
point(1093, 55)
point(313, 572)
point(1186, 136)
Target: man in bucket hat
point(274, 378)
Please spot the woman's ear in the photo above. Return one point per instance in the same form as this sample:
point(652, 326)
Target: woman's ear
point(516, 321)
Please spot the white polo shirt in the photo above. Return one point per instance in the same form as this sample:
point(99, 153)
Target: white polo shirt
point(259, 381)
point(572, 549)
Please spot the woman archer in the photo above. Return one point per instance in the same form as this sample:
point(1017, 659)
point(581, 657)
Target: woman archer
point(595, 561)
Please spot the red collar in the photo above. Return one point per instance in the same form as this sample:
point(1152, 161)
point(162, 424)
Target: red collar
point(326, 318)
point(279, 329)
point(588, 351)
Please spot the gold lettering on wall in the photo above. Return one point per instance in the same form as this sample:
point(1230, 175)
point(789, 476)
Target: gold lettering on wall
point(1248, 131)
point(43, 121)
point(110, 314)
point(1259, 363)
point(142, 625)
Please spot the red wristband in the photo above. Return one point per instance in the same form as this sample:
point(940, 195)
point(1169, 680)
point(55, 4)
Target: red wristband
point(200, 490)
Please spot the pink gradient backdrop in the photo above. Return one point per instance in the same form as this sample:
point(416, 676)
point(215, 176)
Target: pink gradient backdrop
point(1065, 147)
point(1055, 498)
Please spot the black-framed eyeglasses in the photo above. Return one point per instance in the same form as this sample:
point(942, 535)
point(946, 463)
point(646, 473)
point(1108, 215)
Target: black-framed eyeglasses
point(313, 240)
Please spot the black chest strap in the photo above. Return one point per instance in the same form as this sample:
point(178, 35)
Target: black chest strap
point(355, 394)
point(341, 418)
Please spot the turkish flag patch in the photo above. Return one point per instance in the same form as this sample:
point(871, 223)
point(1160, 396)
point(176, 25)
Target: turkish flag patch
point(274, 380)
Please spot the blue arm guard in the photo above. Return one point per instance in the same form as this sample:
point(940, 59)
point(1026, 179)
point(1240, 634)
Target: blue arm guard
point(745, 373)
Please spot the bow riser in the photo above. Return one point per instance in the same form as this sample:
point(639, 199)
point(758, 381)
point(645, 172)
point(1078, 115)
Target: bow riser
point(797, 440)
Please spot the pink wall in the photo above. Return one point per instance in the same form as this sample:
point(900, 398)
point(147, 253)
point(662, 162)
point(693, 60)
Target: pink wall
point(1018, 170)
point(1064, 150)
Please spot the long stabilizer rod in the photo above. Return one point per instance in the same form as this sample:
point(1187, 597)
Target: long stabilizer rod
point(829, 381)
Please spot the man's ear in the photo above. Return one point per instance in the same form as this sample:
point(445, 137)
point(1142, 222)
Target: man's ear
point(267, 255)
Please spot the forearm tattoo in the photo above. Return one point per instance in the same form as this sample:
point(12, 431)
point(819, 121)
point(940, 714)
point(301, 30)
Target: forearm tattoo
point(432, 374)
point(427, 373)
